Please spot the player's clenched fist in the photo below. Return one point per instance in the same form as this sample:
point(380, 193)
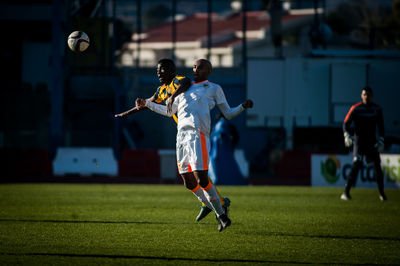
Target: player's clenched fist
point(248, 104)
point(140, 103)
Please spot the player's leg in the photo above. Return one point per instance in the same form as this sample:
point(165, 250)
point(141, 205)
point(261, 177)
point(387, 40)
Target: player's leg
point(183, 151)
point(204, 210)
point(191, 184)
point(209, 191)
point(379, 180)
point(195, 156)
point(213, 198)
point(351, 178)
point(219, 194)
point(376, 161)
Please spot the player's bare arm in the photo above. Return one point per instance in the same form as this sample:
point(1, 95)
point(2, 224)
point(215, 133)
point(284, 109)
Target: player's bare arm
point(126, 113)
point(133, 110)
point(230, 112)
point(184, 85)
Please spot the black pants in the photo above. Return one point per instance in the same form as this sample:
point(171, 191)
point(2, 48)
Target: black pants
point(371, 156)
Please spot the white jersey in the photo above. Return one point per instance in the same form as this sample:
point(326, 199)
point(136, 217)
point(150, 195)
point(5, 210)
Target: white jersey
point(194, 105)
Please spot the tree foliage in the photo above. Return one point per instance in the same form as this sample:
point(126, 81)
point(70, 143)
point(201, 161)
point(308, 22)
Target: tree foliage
point(375, 27)
point(156, 15)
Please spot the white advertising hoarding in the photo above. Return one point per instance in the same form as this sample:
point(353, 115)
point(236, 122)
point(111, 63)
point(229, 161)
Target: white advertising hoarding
point(333, 169)
point(85, 161)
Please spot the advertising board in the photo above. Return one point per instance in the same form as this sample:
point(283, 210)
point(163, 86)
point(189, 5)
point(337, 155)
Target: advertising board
point(333, 169)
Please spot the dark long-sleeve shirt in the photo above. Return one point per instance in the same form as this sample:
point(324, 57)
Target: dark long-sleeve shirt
point(366, 119)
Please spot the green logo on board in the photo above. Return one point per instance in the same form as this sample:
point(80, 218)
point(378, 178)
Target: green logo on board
point(329, 169)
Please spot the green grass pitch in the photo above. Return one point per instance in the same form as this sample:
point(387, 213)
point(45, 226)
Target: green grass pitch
point(96, 224)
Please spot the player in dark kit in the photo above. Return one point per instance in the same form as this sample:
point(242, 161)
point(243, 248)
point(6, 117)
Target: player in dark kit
point(367, 117)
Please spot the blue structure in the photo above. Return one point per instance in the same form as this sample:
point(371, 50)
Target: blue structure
point(223, 169)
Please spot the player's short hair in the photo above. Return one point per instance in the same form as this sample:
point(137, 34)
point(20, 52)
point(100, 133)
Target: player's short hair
point(208, 63)
point(168, 63)
point(367, 89)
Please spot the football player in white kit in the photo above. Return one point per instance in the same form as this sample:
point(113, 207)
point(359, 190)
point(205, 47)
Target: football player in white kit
point(194, 126)
point(172, 84)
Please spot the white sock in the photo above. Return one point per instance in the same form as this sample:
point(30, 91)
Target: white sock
point(213, 199)
point(199, 193)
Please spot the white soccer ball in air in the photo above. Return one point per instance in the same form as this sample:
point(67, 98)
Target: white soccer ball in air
point(78, 41)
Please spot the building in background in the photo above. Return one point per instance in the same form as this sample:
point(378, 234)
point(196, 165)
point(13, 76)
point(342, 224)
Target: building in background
point(226, 39)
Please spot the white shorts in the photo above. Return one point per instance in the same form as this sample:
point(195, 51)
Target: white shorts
point(192, 148)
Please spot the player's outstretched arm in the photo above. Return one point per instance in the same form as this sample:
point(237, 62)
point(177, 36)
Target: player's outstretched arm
point(184, 85)
point(128, 112)
point(230, 113)
point(133, 110)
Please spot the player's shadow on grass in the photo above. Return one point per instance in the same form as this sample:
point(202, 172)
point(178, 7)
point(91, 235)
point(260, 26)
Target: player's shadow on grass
point(77, 221)
point(86, 221)
point(147, 258)
point(331, 236)
point(258, 233)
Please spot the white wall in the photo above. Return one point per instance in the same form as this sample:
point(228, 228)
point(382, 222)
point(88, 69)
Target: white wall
point(265, 83)
point(307, 92)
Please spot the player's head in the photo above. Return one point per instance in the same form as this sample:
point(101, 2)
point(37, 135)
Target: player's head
point(366, 95)
point(201, 69)
point(166, 70)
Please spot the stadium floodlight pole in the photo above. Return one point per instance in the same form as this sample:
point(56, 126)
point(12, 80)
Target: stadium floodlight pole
point(209, 29)
point(118, 89)
point(244, 29)
point(138, 29)
point(276, 27)
point(57, 90)
point(314, 33)
point(173, 29)
point(113, 45)
point(104, 35)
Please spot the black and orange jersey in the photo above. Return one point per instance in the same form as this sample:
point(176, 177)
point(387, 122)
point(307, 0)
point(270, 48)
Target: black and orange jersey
point(367, 118)
point(164, 91)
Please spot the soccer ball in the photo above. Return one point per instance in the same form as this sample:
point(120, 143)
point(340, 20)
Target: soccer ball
point(78, 41)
